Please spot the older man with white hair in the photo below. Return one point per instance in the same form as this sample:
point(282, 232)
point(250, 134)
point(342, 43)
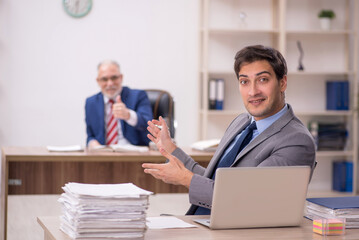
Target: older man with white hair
point(117, 114)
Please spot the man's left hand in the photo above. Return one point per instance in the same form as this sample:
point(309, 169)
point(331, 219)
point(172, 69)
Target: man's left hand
point(173, 172)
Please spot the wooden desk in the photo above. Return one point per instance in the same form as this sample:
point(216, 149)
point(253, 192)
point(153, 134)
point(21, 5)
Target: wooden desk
point(43, 172)
point(51, 227)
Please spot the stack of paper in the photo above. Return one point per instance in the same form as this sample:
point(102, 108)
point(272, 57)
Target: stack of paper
point(104, 211)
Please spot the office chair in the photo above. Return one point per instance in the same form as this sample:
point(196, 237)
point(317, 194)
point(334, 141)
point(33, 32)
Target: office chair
point(162, 105)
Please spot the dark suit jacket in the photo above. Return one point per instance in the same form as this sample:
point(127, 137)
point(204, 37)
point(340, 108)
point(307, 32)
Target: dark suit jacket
point(136, 100)
point(286, 142)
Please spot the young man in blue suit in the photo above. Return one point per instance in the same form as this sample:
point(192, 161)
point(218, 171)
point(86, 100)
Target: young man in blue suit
point(117, 114)
point(278, 138)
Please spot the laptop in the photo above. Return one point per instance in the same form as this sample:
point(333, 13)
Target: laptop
point(258, 197)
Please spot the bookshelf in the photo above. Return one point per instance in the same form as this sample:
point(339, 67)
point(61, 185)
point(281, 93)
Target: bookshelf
point(328, 55)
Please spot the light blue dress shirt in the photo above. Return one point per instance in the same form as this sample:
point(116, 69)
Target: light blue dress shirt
point(262, 125)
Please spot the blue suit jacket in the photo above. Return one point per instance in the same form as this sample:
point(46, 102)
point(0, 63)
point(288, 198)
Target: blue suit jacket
point(136, 100)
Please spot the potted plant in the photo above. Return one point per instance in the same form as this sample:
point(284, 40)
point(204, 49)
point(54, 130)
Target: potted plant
point(325, 16)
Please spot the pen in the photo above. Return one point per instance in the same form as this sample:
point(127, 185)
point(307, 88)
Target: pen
point(159, 126)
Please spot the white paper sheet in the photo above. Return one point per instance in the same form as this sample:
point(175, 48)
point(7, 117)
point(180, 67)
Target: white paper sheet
point(122, 190)
point(70, 148)
point(167, 222)
point(206, 145)
point(129, 148)
point(119, 148)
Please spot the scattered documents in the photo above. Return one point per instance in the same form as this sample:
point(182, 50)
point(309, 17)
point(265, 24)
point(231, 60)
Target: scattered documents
point(104, 211)
point(334, 207)
point(167, 222)
point(70, 148)
point(120, 148)
point(206, 145)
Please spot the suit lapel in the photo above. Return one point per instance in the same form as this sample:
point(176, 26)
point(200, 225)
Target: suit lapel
point(100, 107)
point(232, 132)
point(124, 98)
point(101, 111)
point(270, 131)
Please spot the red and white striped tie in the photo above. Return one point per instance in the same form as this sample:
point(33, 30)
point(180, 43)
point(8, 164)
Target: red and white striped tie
point(111, 127)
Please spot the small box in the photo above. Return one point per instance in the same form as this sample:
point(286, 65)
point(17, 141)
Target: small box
point(326, 227)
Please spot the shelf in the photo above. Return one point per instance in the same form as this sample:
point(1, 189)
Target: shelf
point(328, 55)
point(333, 154)
point(322, 73)
point(290, 74)
point(219, 72)
point(241, 31)
point(324, 113)
point(319, 32)
point(314, 113)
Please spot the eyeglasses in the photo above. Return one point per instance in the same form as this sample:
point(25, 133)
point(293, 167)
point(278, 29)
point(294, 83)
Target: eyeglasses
point(112, 78)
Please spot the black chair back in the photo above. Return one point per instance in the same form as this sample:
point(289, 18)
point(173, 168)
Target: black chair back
point(162, 105)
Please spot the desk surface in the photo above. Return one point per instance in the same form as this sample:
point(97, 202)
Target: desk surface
point(34, 164)
point(51, 229)
point(38, 154)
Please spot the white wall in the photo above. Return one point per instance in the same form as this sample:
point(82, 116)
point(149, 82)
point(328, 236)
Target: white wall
point(48, 63)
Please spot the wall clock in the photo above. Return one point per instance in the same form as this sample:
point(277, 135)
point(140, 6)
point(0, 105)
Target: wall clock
point(77, 8)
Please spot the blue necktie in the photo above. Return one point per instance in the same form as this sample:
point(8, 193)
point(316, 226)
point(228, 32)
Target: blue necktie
point(243, 141)
point(228, 159)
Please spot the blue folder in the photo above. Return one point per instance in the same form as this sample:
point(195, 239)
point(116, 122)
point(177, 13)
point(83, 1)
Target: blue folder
point(337, 94)
point(336, 202)
point(343, 176)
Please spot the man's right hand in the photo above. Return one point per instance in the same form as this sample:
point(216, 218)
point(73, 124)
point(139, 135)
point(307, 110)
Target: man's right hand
point(120, 110)
point(93, 143)
point(160, 135)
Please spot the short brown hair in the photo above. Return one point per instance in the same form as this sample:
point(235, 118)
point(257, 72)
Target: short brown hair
point(257, 53)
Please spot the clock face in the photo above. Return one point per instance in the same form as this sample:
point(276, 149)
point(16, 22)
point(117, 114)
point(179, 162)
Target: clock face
point(77, 8)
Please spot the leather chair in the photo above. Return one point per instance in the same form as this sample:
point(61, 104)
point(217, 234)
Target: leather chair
point(162, 105)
